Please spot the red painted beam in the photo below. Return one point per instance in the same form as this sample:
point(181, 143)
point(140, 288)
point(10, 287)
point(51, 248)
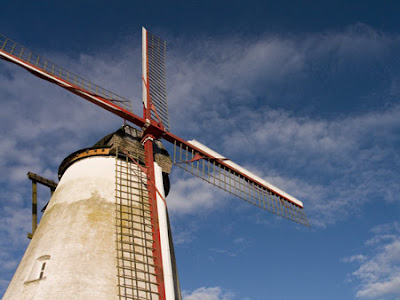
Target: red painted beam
point(95, 99)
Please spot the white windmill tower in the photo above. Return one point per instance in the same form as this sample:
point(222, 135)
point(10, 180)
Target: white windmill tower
point(105, 233)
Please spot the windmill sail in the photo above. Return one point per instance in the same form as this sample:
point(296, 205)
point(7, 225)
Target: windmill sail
point(154, 50)
point(230, 177)
point(43, 68)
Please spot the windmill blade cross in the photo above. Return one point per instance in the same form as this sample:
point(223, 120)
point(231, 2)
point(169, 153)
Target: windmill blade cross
point(191, 156)
point(142, 225)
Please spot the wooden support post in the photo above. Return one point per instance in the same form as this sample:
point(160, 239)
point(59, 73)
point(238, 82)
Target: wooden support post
point(34, 209)
point(46, 182)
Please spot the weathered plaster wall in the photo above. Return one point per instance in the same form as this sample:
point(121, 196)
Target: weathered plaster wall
point(77, 233)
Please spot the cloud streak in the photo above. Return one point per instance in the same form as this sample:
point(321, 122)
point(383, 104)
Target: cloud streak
point(208, 293)
point(379, 271)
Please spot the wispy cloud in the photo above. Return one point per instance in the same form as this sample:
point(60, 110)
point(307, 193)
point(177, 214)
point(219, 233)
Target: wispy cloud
point(334, 162)
point(379, 270)
point(191, 195)
point(183, 236)
point(208, 293)
point(342, 161)
point(215, 75)
point(353, 258)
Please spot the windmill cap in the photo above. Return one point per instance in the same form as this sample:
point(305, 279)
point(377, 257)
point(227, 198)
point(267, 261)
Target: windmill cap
point(126, 138)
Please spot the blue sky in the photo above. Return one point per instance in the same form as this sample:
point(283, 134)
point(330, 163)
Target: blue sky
point(303, 94)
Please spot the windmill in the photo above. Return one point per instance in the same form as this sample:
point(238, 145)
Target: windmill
point(115, 192)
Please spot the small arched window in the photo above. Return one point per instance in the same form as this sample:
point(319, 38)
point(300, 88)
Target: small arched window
point(39, 268)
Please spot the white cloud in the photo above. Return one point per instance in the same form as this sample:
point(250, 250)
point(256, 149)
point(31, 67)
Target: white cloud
point(334, 164)
point(379, 271)
point(183, 236)
point(191, 195)
point(239, 240)
point(223, 252)
point(343, 161)
point(208, 293)
point(379, 289)
point(239, 69)
point(383, 229)
point(353, 258)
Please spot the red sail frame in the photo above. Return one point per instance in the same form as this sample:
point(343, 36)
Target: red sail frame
point(148, 138)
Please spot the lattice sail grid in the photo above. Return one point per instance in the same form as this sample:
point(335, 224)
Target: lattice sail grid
point(230, 181)
point(23, 54)
point(135, 261)
point(156, 55)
